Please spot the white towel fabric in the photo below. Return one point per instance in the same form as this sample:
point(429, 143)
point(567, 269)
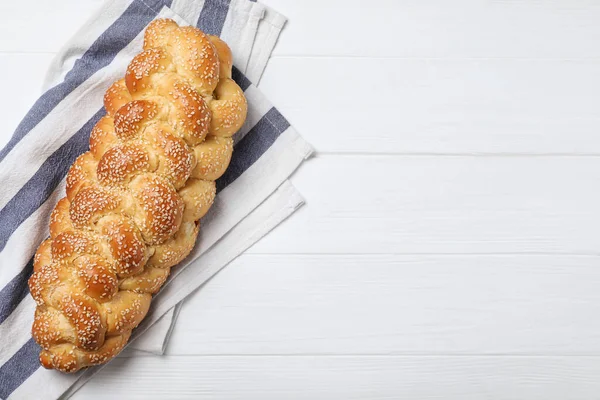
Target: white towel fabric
point(254, 195)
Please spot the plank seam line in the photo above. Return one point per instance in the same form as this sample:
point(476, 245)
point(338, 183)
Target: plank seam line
point(382, 355)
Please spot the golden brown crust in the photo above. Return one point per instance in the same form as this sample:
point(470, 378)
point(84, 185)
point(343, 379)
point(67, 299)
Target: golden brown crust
point(43, 255)
point(170, 253)
point(69, 245)
point(194, 56)
point(198, 195)
point(189, 111)
point(225, 56)
point(149, 281)
point(133, 117)
point(134, 200)
point(229, 109)
point(116, 97)
point(125, 311)
point(46, 276)
point(66, 358)
point(81, 174)
point(60, 220)
point(86, 318)
point(177, 161)
point(52, 327)
point(159, 33)
point(160, 207)
point(103, 136)
point(196, 59)
point(90, 204)
point(212, 158)
point(127, 246)
point(146, 69)
point(95, 275)
point(122, 162)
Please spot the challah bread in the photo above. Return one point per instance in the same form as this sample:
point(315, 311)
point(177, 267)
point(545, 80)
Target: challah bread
point(134, 200)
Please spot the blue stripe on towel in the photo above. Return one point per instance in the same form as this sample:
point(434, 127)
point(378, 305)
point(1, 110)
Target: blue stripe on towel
point(240, 78)
point(19, 367)
point(41, 185)
point(212, 17)
point(15, 291)
point(253, 146)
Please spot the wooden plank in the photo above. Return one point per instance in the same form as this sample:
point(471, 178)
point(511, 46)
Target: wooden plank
point(440, 106)
point(440, 28)
point(24, 76)
point(403, 305)
point(432, 204)
point(431, 28)
point(308, 377)
point(43, 26)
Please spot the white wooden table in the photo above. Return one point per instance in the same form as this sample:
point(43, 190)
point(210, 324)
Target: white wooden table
point(449, 248)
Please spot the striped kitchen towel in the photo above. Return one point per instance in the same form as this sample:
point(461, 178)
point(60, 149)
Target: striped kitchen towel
point(254, 195)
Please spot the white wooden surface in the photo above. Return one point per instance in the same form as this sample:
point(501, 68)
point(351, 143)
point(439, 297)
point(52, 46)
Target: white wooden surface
point(449, 248)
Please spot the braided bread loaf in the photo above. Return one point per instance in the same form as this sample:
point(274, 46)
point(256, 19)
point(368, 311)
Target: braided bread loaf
point(133, 201)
